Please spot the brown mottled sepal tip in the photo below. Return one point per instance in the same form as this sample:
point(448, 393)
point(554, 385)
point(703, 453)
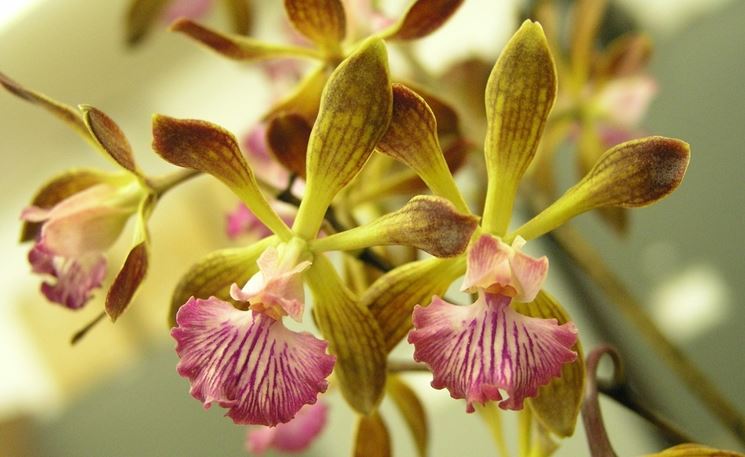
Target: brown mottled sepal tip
point(321, 21)
point(424, 17)
point(637, 173)
point(287, 137)
point(127, 281)
point(110, 137)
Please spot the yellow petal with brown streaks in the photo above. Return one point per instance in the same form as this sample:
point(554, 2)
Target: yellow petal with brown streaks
point(519, 95)
point(322, 21)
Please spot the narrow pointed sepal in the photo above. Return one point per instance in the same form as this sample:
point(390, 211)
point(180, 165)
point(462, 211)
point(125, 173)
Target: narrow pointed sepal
point(353, 334)
point(140, 17)
point(66, 113)
point(558, 403)
point(206, 147)
point(475, 351)
point(422, 18)
point(248, 362)
point(354, 114)
point(238, 47)
point(110, 137)
point(632, 174)
point(393, 296)
point(321, 21)
point(429, 223)
point(127, 281)
point(519, 95)
point(412, 138)
point(412, 410)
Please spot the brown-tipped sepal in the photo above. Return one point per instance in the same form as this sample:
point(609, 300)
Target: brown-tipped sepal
point(127, 281)
point(422, 18)
point(237, 47)
point(209, 148)
point(321, 21)
point(695, 450)
point(429, 223)
point(110, 137)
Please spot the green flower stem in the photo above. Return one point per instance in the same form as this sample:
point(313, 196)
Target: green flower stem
point(593, 265)
point(163, 184)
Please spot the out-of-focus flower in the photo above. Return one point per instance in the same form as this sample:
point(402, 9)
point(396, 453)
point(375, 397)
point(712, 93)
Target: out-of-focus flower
point(75, 217)
point(293, 436)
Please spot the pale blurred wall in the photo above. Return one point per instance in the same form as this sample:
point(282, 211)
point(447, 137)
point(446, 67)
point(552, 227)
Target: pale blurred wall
point(142, 407)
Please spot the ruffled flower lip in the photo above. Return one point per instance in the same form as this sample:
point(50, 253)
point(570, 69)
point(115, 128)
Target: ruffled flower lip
point(248, 362)
point(475, 351)
point(294, 436)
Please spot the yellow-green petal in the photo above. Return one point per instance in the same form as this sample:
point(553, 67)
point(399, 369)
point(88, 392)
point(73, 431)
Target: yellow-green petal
point(206, 147)
point(632, 174)
point(429, 223)
point(412, 139)
point(214, 274)
point(140, 17)
point(372, 438)
point(519, 95)
point(557, 405)
point(392, 297)
point(353, 334)
point(412, 410)
point(354, 114)
point(695, 450)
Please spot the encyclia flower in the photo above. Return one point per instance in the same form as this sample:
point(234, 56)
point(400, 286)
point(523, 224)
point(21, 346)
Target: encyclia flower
point(356, 104)
point(519, 96)
point(79, 214)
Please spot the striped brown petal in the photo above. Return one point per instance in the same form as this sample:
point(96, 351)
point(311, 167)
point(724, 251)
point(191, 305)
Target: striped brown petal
point(206, 147)
point(110, 137)
point(695, 450)
point(519, 95)
point(372, 438)
point(322, 21)
point(422, 18)
point(287, 137)
point(412, 138)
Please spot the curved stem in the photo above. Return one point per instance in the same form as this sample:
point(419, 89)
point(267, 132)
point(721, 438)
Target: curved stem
point(163, 184)
point(592, 417)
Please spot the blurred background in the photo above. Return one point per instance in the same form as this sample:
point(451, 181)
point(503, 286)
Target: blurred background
point(117, 393)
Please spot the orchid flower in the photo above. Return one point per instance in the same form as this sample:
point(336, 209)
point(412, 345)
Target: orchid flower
point(467, 347)
point(74, 218)
point(243, 357)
